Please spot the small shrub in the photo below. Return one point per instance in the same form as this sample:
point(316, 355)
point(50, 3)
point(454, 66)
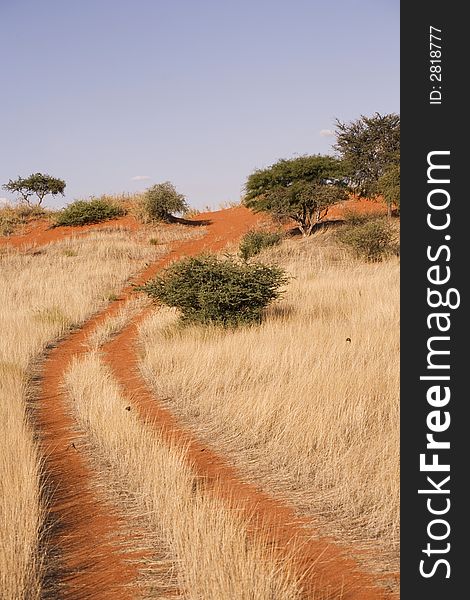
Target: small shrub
point(371, 240)
point(154, 241)
point(210, 290)
point(159, 202)
point(82, 212)
point(254, 241)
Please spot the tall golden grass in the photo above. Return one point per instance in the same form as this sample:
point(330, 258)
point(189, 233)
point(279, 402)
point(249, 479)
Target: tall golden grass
point(212, 555)
point(21, 512)
point(306, 403)
point(42, 295)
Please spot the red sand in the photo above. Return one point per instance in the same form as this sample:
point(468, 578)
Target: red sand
point(40, 232)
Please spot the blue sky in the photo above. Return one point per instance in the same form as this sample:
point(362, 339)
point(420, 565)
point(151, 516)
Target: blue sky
point(197, 92)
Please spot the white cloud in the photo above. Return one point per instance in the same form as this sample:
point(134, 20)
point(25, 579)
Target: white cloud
point(140, 177)
point(326, 132)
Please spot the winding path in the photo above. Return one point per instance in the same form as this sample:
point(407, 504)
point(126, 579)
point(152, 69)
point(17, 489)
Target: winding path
point(89, 537)
point(88, 542)
point(325, 568)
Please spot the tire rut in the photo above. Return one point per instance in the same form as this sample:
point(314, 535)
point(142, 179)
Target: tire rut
point(95, 550)
point(326, 568)
point(88, 547)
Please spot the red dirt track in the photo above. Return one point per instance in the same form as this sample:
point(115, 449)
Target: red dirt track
point(329, 572)
point(89, 536)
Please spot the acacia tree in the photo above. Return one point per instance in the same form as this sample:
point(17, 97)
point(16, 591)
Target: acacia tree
point(38, 185)
point(370, 146)
point(302, 189)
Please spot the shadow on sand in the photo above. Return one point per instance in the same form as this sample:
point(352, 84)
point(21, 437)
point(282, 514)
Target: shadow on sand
point(191, 222)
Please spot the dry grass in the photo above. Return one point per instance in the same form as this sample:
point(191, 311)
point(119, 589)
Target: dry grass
point(213, 557)
point(42, 295)
point(312, 416)
point(21, 513)
point(126, 199)
point(158, 234)
point(112, 325)
point(13, 216)
point(45, 292)
point(229, 204)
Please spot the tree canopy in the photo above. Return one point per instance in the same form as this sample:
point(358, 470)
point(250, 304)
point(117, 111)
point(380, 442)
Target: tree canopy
point(38, 185)
point(301, 188)
point(284, 172)
point(369, 146)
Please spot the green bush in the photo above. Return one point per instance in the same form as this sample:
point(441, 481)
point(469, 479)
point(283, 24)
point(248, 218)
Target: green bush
point(210, 290)
point(159, 202)
point(254, 241)
point(372, 239)
point(82, 212)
